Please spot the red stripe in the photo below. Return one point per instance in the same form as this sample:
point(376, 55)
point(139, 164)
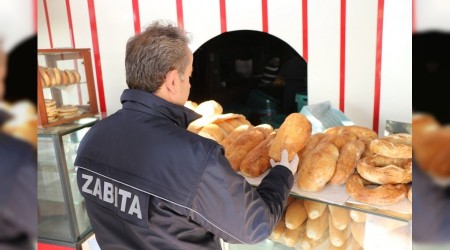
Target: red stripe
point(413, 16)
point(136, 17)
point(305, 28)
point(342, 62)
point(42, 246)
point(34, 14)
point(72, 40)
point(69, 17)
point(48, 23)
point(223, 16)
point(180, 14)
point(376, 106)
point(98, 64)
point(265, 22)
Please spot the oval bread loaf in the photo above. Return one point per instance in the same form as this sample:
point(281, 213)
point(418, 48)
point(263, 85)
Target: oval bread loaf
point(242, 146)
point(295, 214)
point(292, 135)
point(340, 217)
point(257, 161)
point(314, 208)
point(337, 237)
point(317, 167)
point(315, 229)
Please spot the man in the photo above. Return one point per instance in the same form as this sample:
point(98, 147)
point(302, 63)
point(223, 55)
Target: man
point(151, 184)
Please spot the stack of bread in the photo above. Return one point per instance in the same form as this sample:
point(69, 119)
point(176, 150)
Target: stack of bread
point(52, 76)
point(306, 224)
point(388, 168)
point(67, 111)
point(50, 109)
point(331, 156)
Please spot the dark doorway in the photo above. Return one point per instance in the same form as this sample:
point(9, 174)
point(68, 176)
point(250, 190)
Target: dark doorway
point(230, 69)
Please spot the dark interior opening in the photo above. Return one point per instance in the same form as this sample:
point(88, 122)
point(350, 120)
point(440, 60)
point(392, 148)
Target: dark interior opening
point(231, 69)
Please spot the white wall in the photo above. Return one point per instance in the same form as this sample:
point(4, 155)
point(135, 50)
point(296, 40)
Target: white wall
point(201, 18)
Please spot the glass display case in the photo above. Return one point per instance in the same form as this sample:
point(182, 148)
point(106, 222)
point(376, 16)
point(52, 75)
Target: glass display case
point(62, 218)
point(66, 89)
point(343, 227)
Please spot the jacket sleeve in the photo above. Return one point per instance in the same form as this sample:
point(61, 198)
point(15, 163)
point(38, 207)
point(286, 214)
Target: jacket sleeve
point(229, 207)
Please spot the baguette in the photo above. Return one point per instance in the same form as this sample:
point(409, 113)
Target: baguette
point(278, 230)
point(295, 214)
point(340, 217)
point(292, 236)
point(358, 216)
point(358, 231)
point(314, 208)
point(316, 228)
point(337, 237)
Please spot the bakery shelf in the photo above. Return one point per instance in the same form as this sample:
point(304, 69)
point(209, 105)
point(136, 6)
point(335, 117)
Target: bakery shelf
point(337, 195)
point(65, 78)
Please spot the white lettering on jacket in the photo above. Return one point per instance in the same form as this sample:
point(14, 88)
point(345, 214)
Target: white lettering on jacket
point(112, 194)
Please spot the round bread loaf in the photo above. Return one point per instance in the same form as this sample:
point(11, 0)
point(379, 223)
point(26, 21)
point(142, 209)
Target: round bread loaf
point(393, 146)
point(384, 170)
point(292, 135)
point(387, 194)
point(57, 73)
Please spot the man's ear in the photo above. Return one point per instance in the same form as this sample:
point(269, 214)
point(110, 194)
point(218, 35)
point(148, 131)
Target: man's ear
point(171, 79)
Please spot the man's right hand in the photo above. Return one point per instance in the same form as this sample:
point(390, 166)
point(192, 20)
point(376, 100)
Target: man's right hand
point(293, 165)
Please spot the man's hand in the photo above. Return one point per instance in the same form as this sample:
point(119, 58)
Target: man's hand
point(293, 165)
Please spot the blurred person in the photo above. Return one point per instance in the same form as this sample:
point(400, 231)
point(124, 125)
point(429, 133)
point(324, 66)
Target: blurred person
point(270, 72)
point(149, 183)
point(431, 74)
point(18, 184)
point(294, 75)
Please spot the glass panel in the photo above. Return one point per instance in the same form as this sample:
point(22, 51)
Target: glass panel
point(53, 218)
point(71, 142)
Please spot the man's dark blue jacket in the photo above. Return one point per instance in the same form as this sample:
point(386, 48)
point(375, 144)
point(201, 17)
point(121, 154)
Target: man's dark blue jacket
point(151, 184)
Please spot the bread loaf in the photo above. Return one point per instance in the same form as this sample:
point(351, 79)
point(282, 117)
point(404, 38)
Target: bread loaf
point(344, 246)
point(240, 147)
point(358, 216)
point(308, 244)
point(257, 161)
point(209, 108)
point(191, 105)
point(337, 237)
point(312, 142)
point(358, 232)
point(265, 128)
point(316, 228)
point(367, 152)
point(292, 135)
point(278, 230)
point(212, 131)
point(317, 167)
point(314, 208)
point(349, 155)
point(231, 137)
point(295, 214)
point(292, 236)
point(340, 217)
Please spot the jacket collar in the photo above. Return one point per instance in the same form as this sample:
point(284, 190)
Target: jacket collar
point(150, 103)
